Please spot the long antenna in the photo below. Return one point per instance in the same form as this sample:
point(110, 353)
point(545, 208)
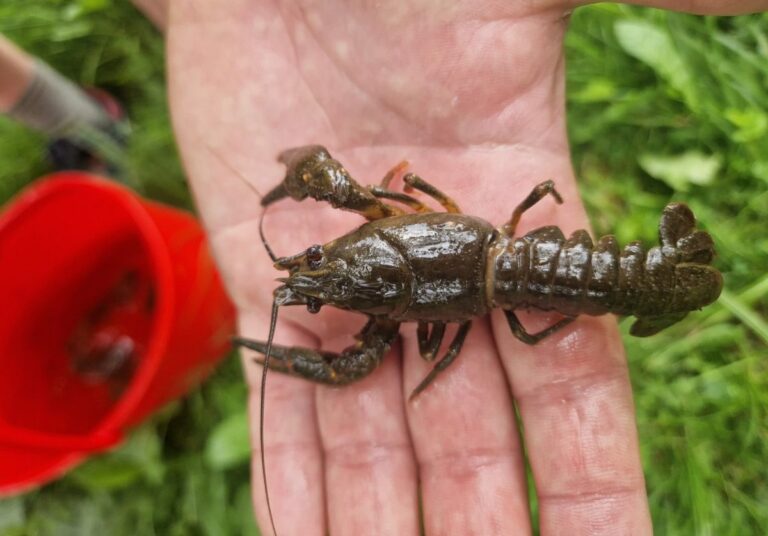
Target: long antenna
point(261, 234)
point(272, 325)
point(245, 181)
point(217, 154)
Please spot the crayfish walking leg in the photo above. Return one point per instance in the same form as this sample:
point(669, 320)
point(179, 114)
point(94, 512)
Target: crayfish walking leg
point(536, 195)
point(532, 338)
point(415, 182)
point(447, 359)
point(429, 343)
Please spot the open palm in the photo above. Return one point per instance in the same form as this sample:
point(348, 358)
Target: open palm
point(472, 95)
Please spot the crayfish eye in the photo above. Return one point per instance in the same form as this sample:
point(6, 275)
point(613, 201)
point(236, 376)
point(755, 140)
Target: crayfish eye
point(314, 305)
point(314, 256)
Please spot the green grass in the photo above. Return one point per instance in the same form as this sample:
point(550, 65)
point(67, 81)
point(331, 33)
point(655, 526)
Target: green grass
point(666, 106)
point(661, 106)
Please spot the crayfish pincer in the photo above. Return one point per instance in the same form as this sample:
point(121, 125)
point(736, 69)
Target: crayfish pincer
point(434, 268)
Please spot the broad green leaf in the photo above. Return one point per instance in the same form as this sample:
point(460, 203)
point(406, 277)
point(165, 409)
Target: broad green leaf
point(106, 473)
point(751, 124)
point(137, 458)
point(760, 170)
point(651, 45)
point(229, 443)
point(89, 6)
point(75, 30)
point(597, 90)
point(683, 170)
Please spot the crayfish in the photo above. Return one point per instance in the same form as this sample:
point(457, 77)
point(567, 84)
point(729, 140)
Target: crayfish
point(436, 268)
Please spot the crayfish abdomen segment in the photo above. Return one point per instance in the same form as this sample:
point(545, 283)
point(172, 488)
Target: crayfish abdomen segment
point(544, 270)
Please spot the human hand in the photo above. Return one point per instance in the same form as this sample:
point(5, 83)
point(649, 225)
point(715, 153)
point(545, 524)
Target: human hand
point(472, 96)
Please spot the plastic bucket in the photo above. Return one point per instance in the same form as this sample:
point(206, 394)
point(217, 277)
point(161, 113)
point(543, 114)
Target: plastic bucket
point(111, 306)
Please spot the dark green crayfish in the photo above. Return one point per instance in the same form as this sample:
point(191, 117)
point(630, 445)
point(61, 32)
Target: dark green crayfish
point(434, 268)
point(439, 267)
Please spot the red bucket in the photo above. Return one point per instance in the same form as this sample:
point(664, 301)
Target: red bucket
point(111, 306)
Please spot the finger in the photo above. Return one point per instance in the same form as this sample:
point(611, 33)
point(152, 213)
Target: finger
point(466, 441)
point(704, 7)
point(575, 401)
point(293, 455)
point(370, 470)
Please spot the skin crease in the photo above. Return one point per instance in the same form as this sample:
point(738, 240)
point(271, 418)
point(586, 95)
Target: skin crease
point(472, 94)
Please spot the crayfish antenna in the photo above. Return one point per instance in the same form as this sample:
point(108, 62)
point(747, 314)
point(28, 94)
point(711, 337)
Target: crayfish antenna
point(234, 171)
point(263, 239)
point(264, 200)
point(265, 368)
